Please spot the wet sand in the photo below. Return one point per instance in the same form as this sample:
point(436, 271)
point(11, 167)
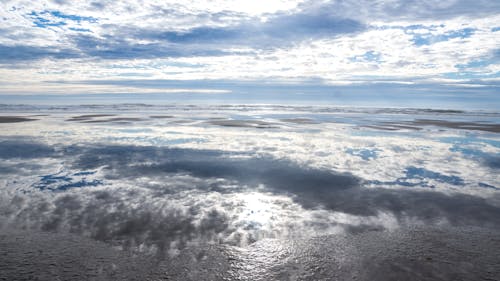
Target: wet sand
point(413, 125)
point(96, 118)
point(50, 256)
point(87, 117)
point(299, 120)
point(116, 119)
point(419, 124)
point(367, 253)
point(161, 116)
point(409, 254)
point(243, 123)
point(15, 119)
point(488, 127)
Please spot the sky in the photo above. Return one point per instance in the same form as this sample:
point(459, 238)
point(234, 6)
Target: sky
point(385, 53)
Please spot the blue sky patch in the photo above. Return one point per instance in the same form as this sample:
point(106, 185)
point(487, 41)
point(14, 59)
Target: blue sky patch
point(428, 39)
point(370, 56)
point(79, 29)
point(365, 153)
point(42, 22)
point(62, 181)
point(46, 19)
point(415, 176)
point(421, 173)
point(77, 18)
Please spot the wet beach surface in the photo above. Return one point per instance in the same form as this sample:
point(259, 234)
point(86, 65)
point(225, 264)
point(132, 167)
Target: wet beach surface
point(384, 118)
point(129, 192)
point(406, 254)
point(14, 119)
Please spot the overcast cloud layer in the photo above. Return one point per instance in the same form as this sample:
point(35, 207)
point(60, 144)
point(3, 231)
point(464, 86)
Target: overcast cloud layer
point(63, 47)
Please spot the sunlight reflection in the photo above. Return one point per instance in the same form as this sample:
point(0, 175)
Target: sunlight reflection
point(258, 208)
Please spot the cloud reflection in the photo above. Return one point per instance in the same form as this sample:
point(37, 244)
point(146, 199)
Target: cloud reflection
point(164, 199)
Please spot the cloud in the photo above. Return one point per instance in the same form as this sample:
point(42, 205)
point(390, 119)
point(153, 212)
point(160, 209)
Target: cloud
point(427, 39)
point(338, 42)
point(15, 149)
point(277, 31)
point(118, 41)
point(404, 10)
point(115, 48)
point(289, 27)
point(22, 53)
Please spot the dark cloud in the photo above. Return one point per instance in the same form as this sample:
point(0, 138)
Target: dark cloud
point(366, 10)
point(120, 42)
point(19, 169)
point(493, 161)
point(116, 47)
point(310, 24)
point(98, 6)
point(24, 149)
point(108, 216)
point(20, 53)
point(439, 10)
point(134, 161)
point(428, 206)
point(15, 119)
point(212, 41)
point(294, 27)
point(277, 31)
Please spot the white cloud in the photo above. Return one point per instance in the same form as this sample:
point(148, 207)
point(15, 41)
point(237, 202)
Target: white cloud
point(385, 50)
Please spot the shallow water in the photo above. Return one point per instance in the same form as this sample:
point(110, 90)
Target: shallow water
point(263, 184)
